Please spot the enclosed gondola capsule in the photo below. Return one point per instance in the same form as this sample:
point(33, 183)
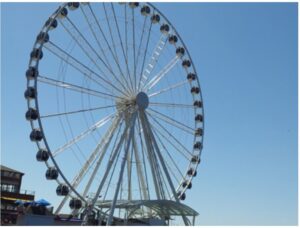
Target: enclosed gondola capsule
point(180, 51)
point(75, 203)
point(164, 28)
point(187, 184)
point(36, 54)
point(133, 4)
point(155, 18)
point(63, 13)
point(173, 39)
point(62, 190)
point(52, 22)
point(192, 172)
point(51, 173)
point(42, 37)
point(199, 132)
point(195, 90)
point(181, 196)
point(145, 10)
point(30, 93)
point(36, 135)
point(198, 104)
point(199, 118)
point(73, 5)
point(195, 159)
point(31, 114)
point(191, 77)
point(42, 155)
point(32, 73)
point(197, 146)
point(186, 63)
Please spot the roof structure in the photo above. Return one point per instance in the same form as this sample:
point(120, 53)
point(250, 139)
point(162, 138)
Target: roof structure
point(161, 207)
point(5, 168)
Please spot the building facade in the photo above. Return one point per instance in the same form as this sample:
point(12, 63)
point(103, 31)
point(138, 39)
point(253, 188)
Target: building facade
point(11, 181)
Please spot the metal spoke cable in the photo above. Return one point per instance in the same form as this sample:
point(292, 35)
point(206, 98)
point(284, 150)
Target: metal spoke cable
point(139, 48)
point(171, 105)
point(168, 88)
point(83, 134)
point(171, 136)
point(83, 43)
point(77, 111)
point(122, 46)
point(73, 87)
point(92, 28)
point(114, 48)
point(171, 121)
point(53, 48)
point(134, 55)
point(145, 54)
point(161, 74)
point(158, 49)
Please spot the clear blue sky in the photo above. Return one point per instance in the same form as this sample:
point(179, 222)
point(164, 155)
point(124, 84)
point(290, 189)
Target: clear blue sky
point(246, 57)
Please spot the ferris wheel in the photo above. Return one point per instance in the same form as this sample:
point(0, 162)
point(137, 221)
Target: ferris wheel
point(116, 111)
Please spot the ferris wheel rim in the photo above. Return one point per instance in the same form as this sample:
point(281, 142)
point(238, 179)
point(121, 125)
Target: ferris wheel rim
point(46, 29)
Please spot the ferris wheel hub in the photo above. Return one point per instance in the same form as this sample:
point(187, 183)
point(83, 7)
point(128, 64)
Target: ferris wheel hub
point(142, 100)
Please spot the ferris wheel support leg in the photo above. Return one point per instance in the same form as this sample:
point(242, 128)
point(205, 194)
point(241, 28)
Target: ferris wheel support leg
point(185, 219)
point(149, 149)
point(107, 171)
point(131, 133)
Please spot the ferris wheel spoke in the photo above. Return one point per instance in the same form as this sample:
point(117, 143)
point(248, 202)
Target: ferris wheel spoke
point(171, 143)
point(153, 60)
point(76, 64)
point(172, 121)
point(122, 46)
point(130, 85)
point(171, 105)
point(104, 144)
point(168, 88)
point(170, 136)
point(169, 155)
point(82, 135)
point(84, 44)
point(95, 35)
point(134, 51)
point(88, 163)
point(80, 89)
point(77, 111)
point(144, 58)
point(96, 30)
point(161, 74)
point(139, 50)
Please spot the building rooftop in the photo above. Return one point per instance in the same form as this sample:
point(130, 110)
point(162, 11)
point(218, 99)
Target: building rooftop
point(5, 168)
